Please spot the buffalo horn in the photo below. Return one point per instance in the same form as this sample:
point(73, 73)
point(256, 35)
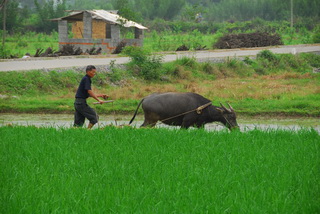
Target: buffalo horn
point(230, 107)
point(228, 110)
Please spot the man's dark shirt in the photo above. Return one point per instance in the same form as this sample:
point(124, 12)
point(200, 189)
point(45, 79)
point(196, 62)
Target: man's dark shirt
point(84, 86)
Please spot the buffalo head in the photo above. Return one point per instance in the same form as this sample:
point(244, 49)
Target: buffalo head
point(229, 118)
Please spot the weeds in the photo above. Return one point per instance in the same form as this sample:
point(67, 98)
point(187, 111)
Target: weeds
point(270, 87)
point(142, 64)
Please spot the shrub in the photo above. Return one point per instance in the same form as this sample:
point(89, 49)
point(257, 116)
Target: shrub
point(208, 68)
point(181, 73)
point(316, 37)
point(187, 61)
point(268, 55)
point(4, 52)
point(143, 64)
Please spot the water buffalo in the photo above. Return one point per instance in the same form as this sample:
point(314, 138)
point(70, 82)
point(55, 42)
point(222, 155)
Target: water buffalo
point(185, 110)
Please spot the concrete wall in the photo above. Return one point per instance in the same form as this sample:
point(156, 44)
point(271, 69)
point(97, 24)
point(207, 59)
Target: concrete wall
point(87, 25)
point(63, 30)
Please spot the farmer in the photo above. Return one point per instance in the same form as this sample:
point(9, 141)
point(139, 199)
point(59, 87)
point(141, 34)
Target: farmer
point(82, 109)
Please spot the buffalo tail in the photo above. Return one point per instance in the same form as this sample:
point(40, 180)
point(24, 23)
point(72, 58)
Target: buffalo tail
point(135, 113)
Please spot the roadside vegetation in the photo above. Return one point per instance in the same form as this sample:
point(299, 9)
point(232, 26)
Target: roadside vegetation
point(169, 36)
point(270, 84)
point(170, 24)
point(139, 170)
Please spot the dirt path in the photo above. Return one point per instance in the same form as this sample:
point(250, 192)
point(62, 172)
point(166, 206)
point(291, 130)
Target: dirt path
point(69, 62)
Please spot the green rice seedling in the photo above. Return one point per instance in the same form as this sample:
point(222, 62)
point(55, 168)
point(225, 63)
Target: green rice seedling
point(125, 170)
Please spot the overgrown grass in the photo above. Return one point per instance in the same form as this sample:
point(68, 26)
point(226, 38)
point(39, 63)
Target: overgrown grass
point(20, 44)
point(168, 36)
point(274, 84)
point(141, 171)
point(270, 84)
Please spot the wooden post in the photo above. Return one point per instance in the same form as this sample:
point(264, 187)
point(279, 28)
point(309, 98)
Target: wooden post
point(291, 15)
point(4, 23)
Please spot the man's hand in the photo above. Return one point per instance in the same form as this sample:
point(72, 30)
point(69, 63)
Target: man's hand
point(104, 96)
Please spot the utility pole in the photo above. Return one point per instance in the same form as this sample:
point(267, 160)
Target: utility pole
point(291, 15)
point(4, 22)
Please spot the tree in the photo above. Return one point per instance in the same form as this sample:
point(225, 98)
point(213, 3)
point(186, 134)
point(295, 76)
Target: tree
point(126, 10)
point(163, 9)
point(13, 17)
point(48, 10)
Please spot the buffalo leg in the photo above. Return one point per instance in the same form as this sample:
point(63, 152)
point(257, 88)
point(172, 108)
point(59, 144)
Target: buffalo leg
point(188, 120)
point(150, 120)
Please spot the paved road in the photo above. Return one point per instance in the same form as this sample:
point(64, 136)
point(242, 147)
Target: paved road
point(69, 62)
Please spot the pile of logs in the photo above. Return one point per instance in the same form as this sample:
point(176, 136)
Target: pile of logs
point(248, 40)
point(66, 50)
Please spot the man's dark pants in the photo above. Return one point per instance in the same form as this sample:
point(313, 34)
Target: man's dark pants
point(83, 111)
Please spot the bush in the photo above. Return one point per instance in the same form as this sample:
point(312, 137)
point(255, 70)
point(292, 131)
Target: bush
point(316, 37)
point(190, 62)
point(268, 55)
point(4, 52)
point(143, 64)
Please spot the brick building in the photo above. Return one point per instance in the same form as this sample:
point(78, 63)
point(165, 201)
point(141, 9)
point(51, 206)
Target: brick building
point(97, 28)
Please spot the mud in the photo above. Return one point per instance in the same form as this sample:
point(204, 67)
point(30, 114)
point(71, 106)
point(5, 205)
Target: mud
point(246, 124)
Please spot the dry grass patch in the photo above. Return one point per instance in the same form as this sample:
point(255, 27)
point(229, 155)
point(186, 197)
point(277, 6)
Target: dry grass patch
point(288, 75)
point(259, 87)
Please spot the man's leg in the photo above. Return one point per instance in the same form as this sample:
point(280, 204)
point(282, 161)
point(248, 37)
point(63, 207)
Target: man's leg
point(90, 125)
point(78, 119)
point(91, 115)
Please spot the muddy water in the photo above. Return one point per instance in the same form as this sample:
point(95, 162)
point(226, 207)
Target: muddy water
point(246, 123)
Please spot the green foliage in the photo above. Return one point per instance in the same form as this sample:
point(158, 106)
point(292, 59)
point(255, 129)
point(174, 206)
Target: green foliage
point(38, 82)
point(47, 11)
point(268, 55)
point(215, 12)
point(5, 52)
point(169, 35)
point(102, 170)
point(268, 62)
point(190, 62)
point(316, 37)
point(312, 59)
point(14, 16)
point(143, 64)
point(152, 9)
point(234, 10)
point(126, 11)
point(53, 91)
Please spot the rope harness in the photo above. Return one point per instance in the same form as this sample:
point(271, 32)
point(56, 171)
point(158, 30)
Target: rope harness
point(198, 110)
point(226, 120)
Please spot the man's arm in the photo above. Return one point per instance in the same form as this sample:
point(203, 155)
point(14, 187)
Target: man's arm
point(92, 94)
point(96, 97)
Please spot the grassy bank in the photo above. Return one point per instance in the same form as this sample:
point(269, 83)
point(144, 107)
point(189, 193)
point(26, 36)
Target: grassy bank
point(271, 84)
point(138, 170)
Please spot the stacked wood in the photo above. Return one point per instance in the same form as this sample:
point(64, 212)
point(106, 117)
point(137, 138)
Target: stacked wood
point(248, 40)
point(119, 47)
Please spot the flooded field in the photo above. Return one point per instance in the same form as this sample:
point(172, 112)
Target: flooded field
point(246, 123)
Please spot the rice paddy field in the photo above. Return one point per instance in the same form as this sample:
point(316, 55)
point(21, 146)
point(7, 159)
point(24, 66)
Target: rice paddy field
point(131, 170)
